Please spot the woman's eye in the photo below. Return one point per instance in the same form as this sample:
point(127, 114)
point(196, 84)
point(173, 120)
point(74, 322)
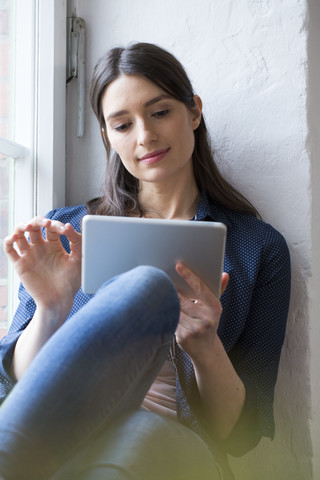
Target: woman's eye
point(160, 113)
point(122, 128)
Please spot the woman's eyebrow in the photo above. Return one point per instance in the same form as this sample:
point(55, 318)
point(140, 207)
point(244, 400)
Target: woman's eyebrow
point(157, 99)
point(150, 102)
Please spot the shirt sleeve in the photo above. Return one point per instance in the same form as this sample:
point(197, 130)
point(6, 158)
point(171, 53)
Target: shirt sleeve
point(22, 317)
point(256, 355)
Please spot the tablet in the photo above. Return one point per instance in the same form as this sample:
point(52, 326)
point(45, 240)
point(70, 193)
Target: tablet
point(114, 245)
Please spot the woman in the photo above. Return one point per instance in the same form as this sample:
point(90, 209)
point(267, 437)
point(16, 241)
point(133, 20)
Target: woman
point(83, 366)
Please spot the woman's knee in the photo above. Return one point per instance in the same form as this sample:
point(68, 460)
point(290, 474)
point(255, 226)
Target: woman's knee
point(149, 280)
point(144, 292)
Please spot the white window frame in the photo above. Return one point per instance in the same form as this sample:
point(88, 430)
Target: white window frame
point(23, 109)
point(40, 166)
point(43, 168)
point(50, 116)
point(51, 106)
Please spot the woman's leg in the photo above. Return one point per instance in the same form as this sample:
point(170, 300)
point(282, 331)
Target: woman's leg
point(142, 445)
point(95, 367)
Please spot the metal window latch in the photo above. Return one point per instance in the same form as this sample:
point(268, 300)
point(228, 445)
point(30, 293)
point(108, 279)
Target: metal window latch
point(76, 64)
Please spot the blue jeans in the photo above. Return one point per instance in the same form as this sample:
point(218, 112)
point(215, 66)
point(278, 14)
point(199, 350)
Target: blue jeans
point(92, 372)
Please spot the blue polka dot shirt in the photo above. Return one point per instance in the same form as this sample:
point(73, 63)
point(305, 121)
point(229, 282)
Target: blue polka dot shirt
point(252, 326)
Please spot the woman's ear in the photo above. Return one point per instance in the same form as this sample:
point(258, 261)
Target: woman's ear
point(197, 109)
point(104, 135)
point(105, 139)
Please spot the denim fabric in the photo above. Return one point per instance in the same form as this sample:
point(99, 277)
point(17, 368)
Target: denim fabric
point(97, 366)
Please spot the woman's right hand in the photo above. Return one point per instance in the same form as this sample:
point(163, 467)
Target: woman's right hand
point(48, 272)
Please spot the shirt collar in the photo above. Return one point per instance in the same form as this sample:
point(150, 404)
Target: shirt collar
point(208, 211)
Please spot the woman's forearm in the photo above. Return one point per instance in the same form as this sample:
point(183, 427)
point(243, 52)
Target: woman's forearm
point(43, 325)
point(51, 276)
point(221, 390)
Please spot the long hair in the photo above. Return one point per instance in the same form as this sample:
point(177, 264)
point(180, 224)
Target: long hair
point(119, 194)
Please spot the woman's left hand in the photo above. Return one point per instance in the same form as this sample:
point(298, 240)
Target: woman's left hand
point(221, 389)
point(199, 317)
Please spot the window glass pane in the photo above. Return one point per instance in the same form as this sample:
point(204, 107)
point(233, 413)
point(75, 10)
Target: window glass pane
point(6, 67)
point(6, 164)
point(17, 80)
point(6, 215)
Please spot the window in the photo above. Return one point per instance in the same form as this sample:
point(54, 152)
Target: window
point(17, 47)
point(32, 121)
point(6, 180)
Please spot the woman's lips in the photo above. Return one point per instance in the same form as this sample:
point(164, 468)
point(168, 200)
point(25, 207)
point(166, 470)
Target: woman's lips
point(154, 157)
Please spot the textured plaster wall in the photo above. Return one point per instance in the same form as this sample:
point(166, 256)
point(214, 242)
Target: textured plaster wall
point(248, 60)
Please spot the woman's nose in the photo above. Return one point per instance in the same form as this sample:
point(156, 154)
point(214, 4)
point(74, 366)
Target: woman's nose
point(146, 134)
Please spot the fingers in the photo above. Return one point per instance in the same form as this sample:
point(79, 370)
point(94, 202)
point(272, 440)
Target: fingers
point(200, 289)
point(34, 228)
point(10, 250)
point(20, 239)
point(53, 230)
point(200, 317)
point(190, 306)
point(224, 282)
point(192, 280)
point(73, 236)
point(17, 239)
point(75, 239)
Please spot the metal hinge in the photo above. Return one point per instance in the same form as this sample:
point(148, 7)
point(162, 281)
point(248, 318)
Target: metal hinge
point(76, 64)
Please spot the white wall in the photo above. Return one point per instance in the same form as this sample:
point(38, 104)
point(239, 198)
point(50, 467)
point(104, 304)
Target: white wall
point(248, 60)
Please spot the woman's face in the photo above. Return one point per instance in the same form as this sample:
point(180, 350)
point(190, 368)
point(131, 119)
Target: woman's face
point(152, 132)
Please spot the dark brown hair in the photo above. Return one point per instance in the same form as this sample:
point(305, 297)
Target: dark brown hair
point(120, 191)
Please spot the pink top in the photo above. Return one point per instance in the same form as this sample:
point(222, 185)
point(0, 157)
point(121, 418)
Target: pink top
point(161, 397)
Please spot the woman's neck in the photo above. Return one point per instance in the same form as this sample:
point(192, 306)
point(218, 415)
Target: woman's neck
point(177, 202)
